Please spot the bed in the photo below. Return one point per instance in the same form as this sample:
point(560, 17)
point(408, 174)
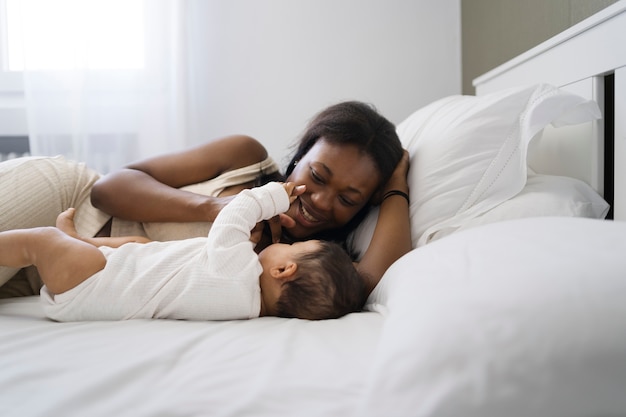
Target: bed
point(511, 303)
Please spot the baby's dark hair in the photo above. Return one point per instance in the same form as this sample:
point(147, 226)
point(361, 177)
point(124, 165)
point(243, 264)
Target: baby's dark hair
point(326, 286)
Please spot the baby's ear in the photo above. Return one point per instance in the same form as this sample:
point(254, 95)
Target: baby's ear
point(286, 272)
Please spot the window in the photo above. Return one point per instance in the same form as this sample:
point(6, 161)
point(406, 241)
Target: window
point(71, 34)
point(64, 35)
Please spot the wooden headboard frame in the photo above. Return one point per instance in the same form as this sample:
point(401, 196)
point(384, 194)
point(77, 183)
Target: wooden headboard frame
point(588, 59)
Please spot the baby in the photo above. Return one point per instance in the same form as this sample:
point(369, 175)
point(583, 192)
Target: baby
point(218, 277)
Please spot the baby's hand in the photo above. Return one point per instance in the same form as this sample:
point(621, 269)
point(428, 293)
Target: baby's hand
point(293, 190)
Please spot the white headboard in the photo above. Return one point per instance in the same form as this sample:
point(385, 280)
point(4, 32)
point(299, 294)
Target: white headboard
point(588, 59)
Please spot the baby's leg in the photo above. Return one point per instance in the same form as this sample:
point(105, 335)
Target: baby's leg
point(65, 222)
point(63, 261)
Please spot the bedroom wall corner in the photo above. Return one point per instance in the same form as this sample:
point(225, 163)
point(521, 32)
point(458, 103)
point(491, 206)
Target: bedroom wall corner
point(494, 31)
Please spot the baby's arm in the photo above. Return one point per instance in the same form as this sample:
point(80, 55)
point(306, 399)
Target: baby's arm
point(232, 227)
point(256, 234)
point(293, 190)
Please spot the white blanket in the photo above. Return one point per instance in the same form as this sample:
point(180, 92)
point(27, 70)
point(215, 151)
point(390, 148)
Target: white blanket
point(260, 367)
point(516, 318)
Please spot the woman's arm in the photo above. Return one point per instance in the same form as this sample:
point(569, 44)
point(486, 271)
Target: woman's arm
point(392, 235)
point(148, 190)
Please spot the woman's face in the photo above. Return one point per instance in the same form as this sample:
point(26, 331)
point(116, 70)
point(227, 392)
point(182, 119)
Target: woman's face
point(339, 180)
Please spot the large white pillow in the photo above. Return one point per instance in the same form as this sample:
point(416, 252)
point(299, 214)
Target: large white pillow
point(515, 318)
point(468, 154)
point(543, 195)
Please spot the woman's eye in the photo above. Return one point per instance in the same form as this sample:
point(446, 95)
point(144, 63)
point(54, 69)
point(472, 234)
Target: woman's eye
point(316, 177)
point(347, 202)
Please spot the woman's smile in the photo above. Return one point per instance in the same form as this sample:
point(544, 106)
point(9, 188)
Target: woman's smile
point(308, 216)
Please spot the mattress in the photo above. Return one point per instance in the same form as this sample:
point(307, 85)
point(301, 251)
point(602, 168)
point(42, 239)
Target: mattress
point(263, 367)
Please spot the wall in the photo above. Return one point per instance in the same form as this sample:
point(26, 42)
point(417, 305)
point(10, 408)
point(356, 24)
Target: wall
point(271, 65)
point(494, 31)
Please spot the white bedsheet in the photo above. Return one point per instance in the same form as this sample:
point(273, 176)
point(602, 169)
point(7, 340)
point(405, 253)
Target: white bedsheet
point(260, 367)
point(516, 318)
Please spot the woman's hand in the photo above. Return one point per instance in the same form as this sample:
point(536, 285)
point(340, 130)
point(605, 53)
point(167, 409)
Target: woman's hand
point(212, 206)
point(398, 180)
point(276, 225)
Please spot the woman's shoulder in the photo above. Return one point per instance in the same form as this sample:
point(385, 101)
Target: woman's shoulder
point(244, 150)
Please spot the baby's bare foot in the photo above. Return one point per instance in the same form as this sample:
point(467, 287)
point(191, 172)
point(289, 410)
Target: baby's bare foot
point(65, 222)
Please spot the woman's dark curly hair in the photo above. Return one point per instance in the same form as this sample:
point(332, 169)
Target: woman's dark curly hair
point(359, 124)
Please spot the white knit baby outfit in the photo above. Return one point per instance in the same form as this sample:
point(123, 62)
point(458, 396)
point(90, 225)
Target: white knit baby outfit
point(206, 278)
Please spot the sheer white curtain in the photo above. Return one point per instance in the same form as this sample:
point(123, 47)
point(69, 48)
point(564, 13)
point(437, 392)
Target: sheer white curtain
point(106, 81)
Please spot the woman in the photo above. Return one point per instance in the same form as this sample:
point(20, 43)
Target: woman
point(348, 158)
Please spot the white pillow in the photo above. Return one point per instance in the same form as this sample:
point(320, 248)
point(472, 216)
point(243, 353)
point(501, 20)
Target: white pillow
point(543, 195)
point(516, 318)
point(468, 154)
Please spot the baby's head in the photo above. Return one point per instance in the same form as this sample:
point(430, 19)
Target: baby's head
point(312, 280)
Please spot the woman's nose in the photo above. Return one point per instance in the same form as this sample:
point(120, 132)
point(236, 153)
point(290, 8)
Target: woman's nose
point(322, 200)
